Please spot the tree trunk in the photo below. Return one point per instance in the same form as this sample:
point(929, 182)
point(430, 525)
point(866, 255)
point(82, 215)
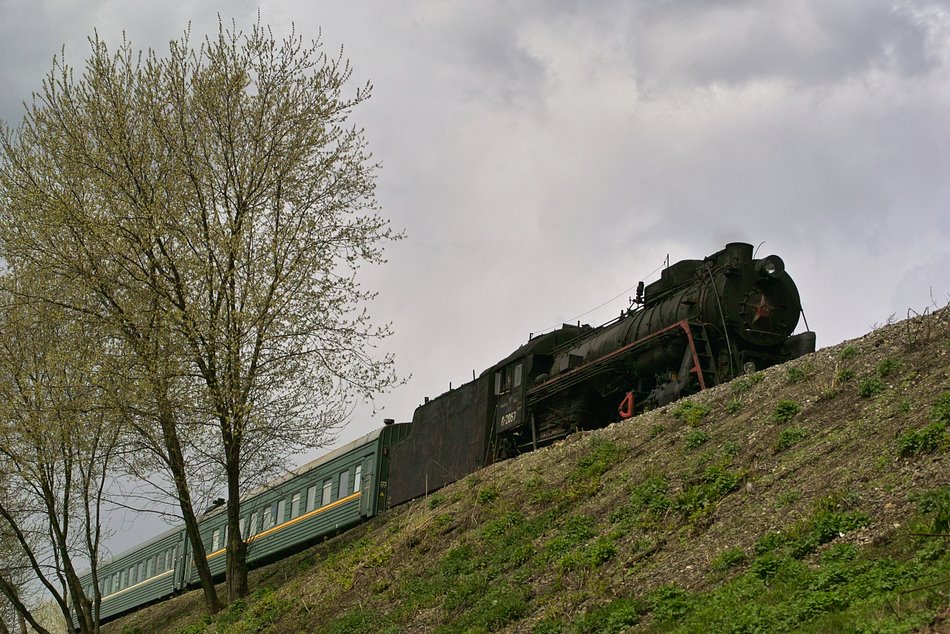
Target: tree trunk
point(237, 561)
point(176, 462)
point(23, 614)
point(237, 547)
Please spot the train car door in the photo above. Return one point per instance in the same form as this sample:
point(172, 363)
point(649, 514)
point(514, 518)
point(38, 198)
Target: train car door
point(366, 492)
point(179, 579)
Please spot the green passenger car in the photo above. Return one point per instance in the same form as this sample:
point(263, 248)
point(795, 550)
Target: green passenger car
point(323, 497)
point(312, 502)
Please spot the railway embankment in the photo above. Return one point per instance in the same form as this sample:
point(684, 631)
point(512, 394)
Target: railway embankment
point(813, 496)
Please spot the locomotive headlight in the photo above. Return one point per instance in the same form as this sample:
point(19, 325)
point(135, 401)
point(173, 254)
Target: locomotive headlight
point(771, 266)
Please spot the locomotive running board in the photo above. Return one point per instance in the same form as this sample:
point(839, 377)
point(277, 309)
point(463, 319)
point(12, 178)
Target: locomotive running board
point(602, 365)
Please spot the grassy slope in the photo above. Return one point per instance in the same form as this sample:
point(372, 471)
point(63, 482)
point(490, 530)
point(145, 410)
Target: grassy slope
point(783, 501)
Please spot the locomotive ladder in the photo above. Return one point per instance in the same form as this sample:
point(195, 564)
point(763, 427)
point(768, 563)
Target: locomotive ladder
point(705, 370)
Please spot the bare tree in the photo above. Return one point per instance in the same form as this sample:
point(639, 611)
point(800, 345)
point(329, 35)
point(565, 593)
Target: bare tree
point(214, 208)
point(56, 445)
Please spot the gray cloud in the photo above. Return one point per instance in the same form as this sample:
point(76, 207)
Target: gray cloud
point(806, 43)
point(545, 156)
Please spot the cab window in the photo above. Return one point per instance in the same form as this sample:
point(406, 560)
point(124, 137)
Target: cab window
point(507, 379)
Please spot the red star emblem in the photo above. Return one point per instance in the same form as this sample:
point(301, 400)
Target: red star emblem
point(762, 310)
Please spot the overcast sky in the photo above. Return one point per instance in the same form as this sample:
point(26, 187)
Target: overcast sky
point(543, 157)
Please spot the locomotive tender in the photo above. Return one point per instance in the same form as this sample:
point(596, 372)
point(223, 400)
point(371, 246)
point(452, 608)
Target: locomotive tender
point(702, 323)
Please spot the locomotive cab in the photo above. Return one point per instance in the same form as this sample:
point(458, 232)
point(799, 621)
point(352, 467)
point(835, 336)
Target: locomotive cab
point(513, 378)
point(509, 393)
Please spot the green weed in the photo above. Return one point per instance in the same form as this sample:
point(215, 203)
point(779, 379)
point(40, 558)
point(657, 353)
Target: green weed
point(849, 591)
point(940, 411)
point(743, 384)
point(936, 503)
point(535, 482)
point(695, 438)
point(669, 603)
point(785, 411)
point(486, 495)
point(828, 520)
point(790, 437)
point(924, 440)
point(887, 367)
point(733, 406)
point(201, 625)
point(848, 352)
point(699, 498)
point(691, 413)
point(603, 455)
point(589, 556)
point(261, 609)
point(787, 497)
point(501, 525)
point(356, 620)
point(797, 374)
point(870, 387)
point(617, 616)
point(730, 448)
point(845, 375)
point(650, 496)
point(933, 437)
point(729, 559)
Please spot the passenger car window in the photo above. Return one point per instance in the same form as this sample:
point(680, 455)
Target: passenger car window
point(344, 484)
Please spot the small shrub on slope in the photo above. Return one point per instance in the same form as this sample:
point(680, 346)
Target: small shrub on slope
point(790, 437)
point(870, 387)
point(932, 437)
point(695, 438)
point(785, 411)
point(691, 413)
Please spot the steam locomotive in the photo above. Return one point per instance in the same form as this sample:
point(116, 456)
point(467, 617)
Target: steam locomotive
point(702, 323)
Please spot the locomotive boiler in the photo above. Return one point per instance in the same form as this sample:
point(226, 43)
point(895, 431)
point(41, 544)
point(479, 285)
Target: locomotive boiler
point(702, 323)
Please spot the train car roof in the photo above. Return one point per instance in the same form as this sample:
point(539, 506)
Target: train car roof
point(309, 466)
